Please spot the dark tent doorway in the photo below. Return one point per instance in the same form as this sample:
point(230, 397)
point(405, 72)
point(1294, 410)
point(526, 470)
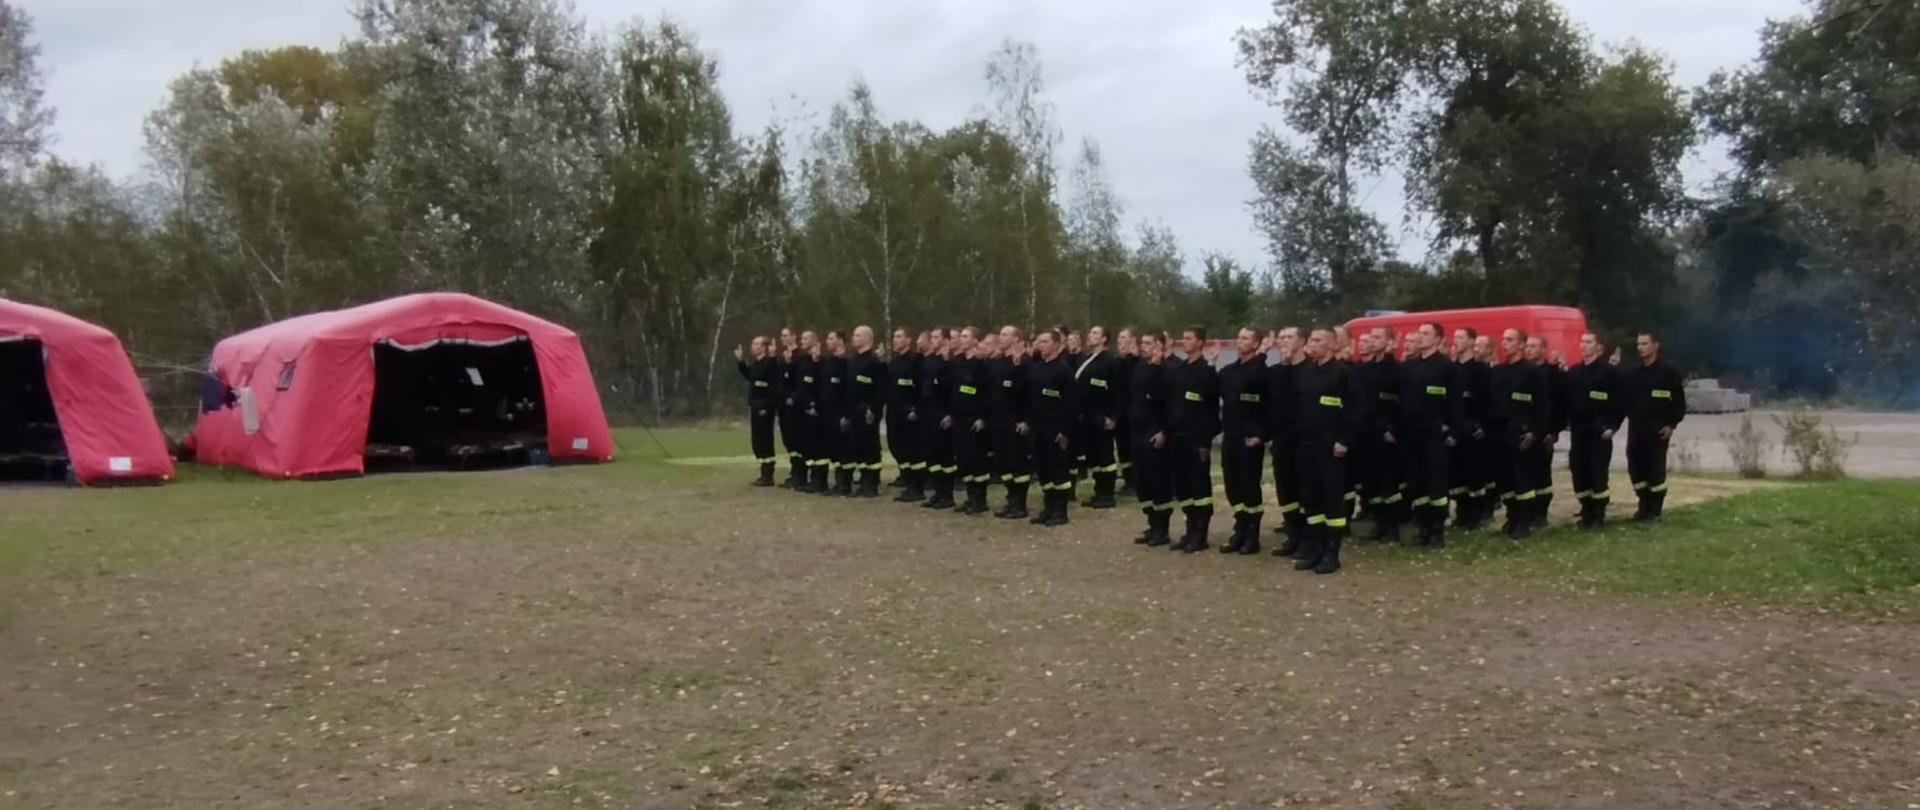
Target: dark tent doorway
point(459, 405)
point(31, 445)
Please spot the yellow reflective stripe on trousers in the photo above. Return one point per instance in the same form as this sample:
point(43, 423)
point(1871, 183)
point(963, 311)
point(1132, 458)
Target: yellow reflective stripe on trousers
point(1336, 523)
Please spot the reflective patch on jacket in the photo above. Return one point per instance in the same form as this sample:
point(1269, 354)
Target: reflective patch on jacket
point(1333, 402)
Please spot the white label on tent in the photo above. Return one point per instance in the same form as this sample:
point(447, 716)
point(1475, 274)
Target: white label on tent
point(249, 412)
point(580, 444)
point(473, 374)
point(120, 464)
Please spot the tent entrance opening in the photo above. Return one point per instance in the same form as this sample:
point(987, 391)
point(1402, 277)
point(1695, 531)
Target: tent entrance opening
point(456, 405)
point(31, 446)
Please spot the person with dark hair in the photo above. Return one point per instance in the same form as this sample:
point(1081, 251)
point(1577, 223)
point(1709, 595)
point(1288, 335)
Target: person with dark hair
point(1322, 389)
point(967, 379)
point(1146, 418)
point(1243, 439)
point(934, 484)
point(1477, 390)
point(1126, 358)
point(1193, 419)
point(810, 373)
point(837, 429)
point(1540, 460)
point(763, 377)
point(1051, 420)
point(1466, 465)
point(1428, 430)
point(1283, 437)
point(866, 397)
point(1007, 401)
point(905, 439)
point(1517, 422)
point(1099, 398)
point(1376, 461)
point(1593, 403)
point(1656, 402)
point(790, 417)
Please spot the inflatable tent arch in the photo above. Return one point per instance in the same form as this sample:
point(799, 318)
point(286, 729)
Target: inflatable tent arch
point(434, 379)
point(71, 405)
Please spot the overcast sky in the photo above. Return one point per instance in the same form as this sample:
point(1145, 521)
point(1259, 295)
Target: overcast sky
point(1153, 81)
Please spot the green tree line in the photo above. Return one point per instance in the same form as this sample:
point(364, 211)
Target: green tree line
point(497, 147)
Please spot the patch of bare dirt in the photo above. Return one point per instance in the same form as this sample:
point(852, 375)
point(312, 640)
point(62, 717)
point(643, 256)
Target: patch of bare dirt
point(763, 649)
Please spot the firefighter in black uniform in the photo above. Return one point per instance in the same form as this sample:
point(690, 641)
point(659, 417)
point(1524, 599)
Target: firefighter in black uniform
point(1656, 402)
point(1243, 439)
point(1146, 418)
point(1469, 457)
point(1282, 437)
point(1007, 403)
point(1323, 427)
point(1193, 419)
point(905, 439)
point(934, 423)
point(1376, 381)
point(967, 379)
point(1127, 356)
point(867, 390)
point(1516, 423)
point(763, 398)
point(832, 399)
point(1553, 380)
point(789, 416)
point(1428, 430)
point(1099, 398)
point(1051, 420)
point(1593, 407)
point(807, 374)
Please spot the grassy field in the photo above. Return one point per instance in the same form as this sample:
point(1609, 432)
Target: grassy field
point(653, 633)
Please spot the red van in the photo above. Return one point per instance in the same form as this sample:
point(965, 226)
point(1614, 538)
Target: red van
point(1561, 326)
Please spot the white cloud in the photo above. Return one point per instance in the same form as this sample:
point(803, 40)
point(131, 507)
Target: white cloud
point(1153, 81)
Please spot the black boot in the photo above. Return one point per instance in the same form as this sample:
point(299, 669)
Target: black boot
point(1599, 514)
point(843, 481)
point(1102, 491)
point(1313, 546)
point(1291, 524)
point(1046, 506)
point(1147, 534)
point(915, 487)
point(1659, 505)
point(1062, 498)
point(1201, 524)
point(796, 473)
point(976, 499)
point(1158, 522)
point(941, 496)
point(869, 484)
point(1016, 502)
point(1330, 560)
point(1251, 544)
point(766, 475)
point(1386, 529)
point(1239, 536)
point(820, 485)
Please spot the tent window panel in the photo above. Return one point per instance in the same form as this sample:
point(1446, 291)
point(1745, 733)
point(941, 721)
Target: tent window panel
point(287, 369)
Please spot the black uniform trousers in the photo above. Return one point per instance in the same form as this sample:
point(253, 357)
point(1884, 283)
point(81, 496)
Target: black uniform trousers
point(971, 449)
point(790, 438)
point(1321, 482)
point(863, 451)
point(1525, 478)
point(906, 440)
point(1647, 467)
point(1152, 478)
point(1191, 469)
point(1124, 446)
point(1286, 487)
point(1241, 469)
point(939, 446)
point(1380, 477)
point(1503, 460)
point(760, 423)
point(1428, 462)
point(1588, 460)
point(1053, 464)
point(1098, 455)
point(1012, 456)
point(1539, 461)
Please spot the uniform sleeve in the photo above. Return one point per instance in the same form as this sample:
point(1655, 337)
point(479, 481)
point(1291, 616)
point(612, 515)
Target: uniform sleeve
point(1614, 383)
point(745, 372)
point(1257, 419)
point(1347, 420)
point(1211, 386)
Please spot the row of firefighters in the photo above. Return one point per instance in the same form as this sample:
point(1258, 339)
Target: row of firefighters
point(1350, 430)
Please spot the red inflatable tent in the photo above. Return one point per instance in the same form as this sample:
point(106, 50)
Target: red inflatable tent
point(1561, 326)
point(429, 378)
point(69, 392)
